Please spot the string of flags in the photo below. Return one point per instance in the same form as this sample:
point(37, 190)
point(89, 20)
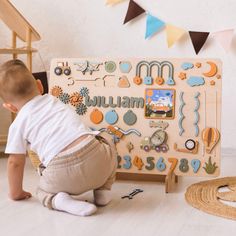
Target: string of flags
point(174, 33)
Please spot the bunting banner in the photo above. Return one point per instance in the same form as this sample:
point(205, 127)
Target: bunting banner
point(113, 2)
point(224, 38)
point(134, 10)
point(153, 25)
point(198, 39)
point(173, 34)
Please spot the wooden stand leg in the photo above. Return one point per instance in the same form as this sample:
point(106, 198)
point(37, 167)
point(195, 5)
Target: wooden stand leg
point(176, 179)
point(170, 180)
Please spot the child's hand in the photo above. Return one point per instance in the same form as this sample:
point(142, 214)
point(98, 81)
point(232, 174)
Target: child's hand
point(15, 168)
point(23, 195)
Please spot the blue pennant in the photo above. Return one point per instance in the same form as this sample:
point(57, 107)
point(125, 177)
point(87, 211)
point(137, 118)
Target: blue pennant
point(153, 25)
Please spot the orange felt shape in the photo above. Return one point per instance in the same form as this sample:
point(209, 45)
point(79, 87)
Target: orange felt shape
point(96, 116)
point(123, 82)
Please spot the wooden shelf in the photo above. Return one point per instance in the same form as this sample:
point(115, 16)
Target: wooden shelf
point(17, 50)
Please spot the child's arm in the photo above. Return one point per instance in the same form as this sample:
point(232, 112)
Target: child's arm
point(15, 169)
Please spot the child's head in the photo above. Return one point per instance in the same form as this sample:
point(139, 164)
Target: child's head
point(17, 84)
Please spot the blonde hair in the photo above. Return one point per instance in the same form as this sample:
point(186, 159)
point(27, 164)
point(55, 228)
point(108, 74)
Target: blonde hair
point(16, 81)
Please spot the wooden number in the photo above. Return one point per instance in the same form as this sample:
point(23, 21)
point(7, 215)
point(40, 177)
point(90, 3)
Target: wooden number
point(138, 162)
point(161, 166)
point(195, 163)
point(151, 164)
point(173, 162)
point(183, 167)
point(118, 162)
point(127, 164)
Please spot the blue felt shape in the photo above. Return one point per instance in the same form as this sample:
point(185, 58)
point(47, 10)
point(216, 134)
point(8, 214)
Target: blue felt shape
point(153, 25)
point(125, 67)
point(195, 81)
point(148, 80)
point(170, 81)
point(111, 117)
point(187, 65)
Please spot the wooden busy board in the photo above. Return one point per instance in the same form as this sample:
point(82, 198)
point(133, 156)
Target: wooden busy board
point(163, 114)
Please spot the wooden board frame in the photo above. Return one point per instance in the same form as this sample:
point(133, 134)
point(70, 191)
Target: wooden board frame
point(200, 105)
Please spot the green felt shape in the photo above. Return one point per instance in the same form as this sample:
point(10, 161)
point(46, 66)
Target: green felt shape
point(130, 117)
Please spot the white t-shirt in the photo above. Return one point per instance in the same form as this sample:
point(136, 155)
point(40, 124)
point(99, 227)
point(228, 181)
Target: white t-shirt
point(46, 126)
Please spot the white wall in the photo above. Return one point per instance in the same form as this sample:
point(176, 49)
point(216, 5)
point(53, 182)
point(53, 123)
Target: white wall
point(81, 28)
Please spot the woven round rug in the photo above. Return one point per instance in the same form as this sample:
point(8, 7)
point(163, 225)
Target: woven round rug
point(208, 195)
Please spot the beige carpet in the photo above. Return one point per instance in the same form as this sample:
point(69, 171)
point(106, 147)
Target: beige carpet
point(207, 196)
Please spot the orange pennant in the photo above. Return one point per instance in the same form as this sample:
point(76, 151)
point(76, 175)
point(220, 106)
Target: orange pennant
point(113, 2)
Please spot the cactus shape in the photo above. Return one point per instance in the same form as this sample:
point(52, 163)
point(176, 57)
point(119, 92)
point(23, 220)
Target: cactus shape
point(210, 167)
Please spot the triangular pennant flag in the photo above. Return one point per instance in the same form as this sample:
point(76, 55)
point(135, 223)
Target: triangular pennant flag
point(173, 34)
point(134, 10)
point(224, 37)
point(153, 25)
point(113, 2)
point(198, 39)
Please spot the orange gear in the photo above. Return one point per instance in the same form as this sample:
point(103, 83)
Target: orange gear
point(56, 91)
point(76, 99)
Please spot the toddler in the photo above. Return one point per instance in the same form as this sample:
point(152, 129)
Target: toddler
point(75, 158)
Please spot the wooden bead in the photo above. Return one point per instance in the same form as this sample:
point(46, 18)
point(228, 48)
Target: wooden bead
point(160, 80)
point(137, 80)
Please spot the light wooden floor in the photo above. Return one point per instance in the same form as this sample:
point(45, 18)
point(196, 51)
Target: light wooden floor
point(150, 213)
